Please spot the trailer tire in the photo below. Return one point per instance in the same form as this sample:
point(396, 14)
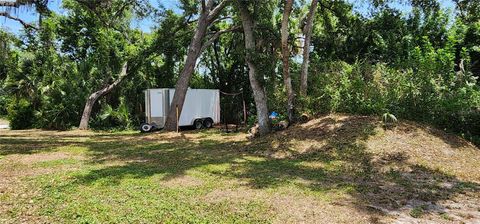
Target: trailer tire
point(145, 127)
point(198, 124)
point(208, 123)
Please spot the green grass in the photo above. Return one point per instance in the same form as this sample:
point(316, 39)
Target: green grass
point(446, 216)
point(132, 186)
point(204, 177)
point(417, 211)
point(135, 200)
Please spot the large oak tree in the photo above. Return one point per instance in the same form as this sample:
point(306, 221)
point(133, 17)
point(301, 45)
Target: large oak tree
point(208, 13)
point(259, 95)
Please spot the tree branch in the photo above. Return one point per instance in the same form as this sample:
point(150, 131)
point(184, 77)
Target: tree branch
point(217, 35)
point(121, 76)
point(9, 4)
point(330, 8)
point(125, 5)
point(215, 11)
point(40, 5)
point(104, 21)
point(220, 19)
point(25, 24)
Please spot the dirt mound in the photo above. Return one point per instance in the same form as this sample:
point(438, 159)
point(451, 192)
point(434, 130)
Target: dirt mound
point(411, 172)
point(407, 142)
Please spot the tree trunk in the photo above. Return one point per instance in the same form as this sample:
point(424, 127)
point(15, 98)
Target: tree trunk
point(194, 49)
point(258, 92)
point(286, 59)
point(92, 99)
point(306, 48)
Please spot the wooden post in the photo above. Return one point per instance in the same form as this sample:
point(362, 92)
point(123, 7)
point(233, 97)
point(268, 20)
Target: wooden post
point(177, 118)
point(244, 113)
point(225, 122)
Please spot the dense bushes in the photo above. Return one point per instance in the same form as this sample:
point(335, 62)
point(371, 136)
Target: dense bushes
point(3, 104)
point(114, 117)
point(430, 78)
point(20, 114)
point(431, 91)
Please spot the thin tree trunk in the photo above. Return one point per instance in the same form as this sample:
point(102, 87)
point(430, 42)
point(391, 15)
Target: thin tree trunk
point(92, 99)
point(306, 48)
point(286, 59)
point(207, 16)
point(258, 92)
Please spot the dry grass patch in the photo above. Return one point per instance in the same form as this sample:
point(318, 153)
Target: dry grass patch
point(293, 207)
point(423, 145)
point(182, 181)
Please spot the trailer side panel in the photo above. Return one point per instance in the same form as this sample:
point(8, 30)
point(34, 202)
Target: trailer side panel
point(199, 103)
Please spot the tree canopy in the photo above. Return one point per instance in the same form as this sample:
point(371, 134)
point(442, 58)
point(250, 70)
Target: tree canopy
point(293, 57)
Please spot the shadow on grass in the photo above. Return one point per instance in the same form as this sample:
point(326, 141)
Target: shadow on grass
point(35, 141)
point(170, 159)
point(387, 181)
point(10, 146)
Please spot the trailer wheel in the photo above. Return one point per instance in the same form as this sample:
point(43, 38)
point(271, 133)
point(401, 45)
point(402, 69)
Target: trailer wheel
point(145, 128)
point(208, 123)
point(198, 124)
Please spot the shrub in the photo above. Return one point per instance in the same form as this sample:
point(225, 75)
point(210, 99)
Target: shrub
point(430, 91)
point(118, 118)
point(3, 105)
point(20, 114)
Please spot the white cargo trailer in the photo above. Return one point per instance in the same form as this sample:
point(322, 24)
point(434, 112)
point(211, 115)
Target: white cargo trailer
point(201, 108)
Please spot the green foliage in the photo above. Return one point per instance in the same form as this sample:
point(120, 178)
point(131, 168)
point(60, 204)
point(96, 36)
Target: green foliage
point(4, 101)
point(429, 91)
point(20, 114)
point(251, 121)
point(389, 120)
point(418, 211)
point(118, 117)
point(8, 62)
point(76, 54)
point(420, 65)
point(61, 101)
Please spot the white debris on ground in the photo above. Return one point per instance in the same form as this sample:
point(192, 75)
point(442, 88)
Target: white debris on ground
point(4, 124)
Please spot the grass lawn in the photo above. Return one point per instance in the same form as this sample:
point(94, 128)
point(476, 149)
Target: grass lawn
point(335, 169)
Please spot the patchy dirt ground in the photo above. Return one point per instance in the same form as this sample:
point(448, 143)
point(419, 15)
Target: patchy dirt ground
point(335, 169)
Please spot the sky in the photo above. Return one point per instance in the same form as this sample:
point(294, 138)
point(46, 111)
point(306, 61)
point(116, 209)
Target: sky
point(362, 6)
point(55, 5)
